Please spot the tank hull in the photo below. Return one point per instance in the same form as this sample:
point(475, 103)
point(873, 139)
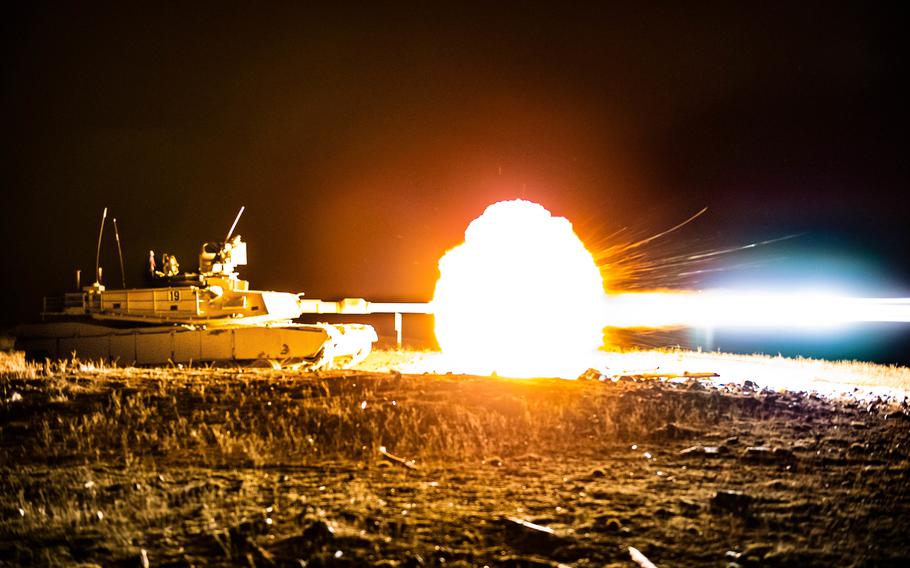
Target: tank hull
point(312, 346)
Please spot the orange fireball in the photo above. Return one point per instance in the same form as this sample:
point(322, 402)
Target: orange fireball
point(520, 297)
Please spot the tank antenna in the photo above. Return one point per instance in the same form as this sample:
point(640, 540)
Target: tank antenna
point(120, 254)
point(98, 250)
point(234, 226)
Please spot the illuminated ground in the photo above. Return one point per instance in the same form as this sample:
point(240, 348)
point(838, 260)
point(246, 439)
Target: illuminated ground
point(831, 378)
point(207, 466)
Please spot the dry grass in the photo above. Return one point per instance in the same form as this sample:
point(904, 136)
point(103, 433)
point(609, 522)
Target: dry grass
point(14, 365)
point(100, 462)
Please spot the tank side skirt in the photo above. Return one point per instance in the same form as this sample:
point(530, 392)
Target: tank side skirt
point(293, 343)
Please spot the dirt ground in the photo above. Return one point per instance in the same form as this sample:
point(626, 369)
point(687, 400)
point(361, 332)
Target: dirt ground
point(180, 467)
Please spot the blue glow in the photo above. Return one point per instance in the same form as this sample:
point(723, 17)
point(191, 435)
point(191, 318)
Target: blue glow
point(795, 267)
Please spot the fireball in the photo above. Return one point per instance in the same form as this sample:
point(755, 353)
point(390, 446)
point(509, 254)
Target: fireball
point(520, 297)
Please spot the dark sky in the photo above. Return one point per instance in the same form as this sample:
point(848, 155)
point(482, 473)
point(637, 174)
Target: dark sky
point(362, 140)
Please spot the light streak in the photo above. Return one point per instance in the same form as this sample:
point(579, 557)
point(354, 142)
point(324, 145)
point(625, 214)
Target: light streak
point(749, 309)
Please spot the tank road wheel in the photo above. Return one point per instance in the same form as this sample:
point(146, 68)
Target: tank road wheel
point(292, 363)
point(323, 360)
point(265, 364)
point(352, 360)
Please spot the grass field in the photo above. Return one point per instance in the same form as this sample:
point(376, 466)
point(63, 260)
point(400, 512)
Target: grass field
point(202, 466)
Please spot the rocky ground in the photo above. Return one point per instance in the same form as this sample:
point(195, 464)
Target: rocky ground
point(212, 466)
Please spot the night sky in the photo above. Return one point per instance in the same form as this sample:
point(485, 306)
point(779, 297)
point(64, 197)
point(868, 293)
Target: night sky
point(362, 140)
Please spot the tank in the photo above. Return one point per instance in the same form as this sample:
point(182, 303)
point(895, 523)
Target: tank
point(210, 316)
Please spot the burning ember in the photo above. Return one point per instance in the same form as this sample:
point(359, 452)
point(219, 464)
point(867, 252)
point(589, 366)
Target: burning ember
point(520, 297)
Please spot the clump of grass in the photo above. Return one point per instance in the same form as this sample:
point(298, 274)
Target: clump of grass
point(13, 365)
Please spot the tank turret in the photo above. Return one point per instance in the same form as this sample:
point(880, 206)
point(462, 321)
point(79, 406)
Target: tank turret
point(215, 296)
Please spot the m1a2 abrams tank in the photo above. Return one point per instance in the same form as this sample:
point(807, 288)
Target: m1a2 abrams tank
point(209, 316)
